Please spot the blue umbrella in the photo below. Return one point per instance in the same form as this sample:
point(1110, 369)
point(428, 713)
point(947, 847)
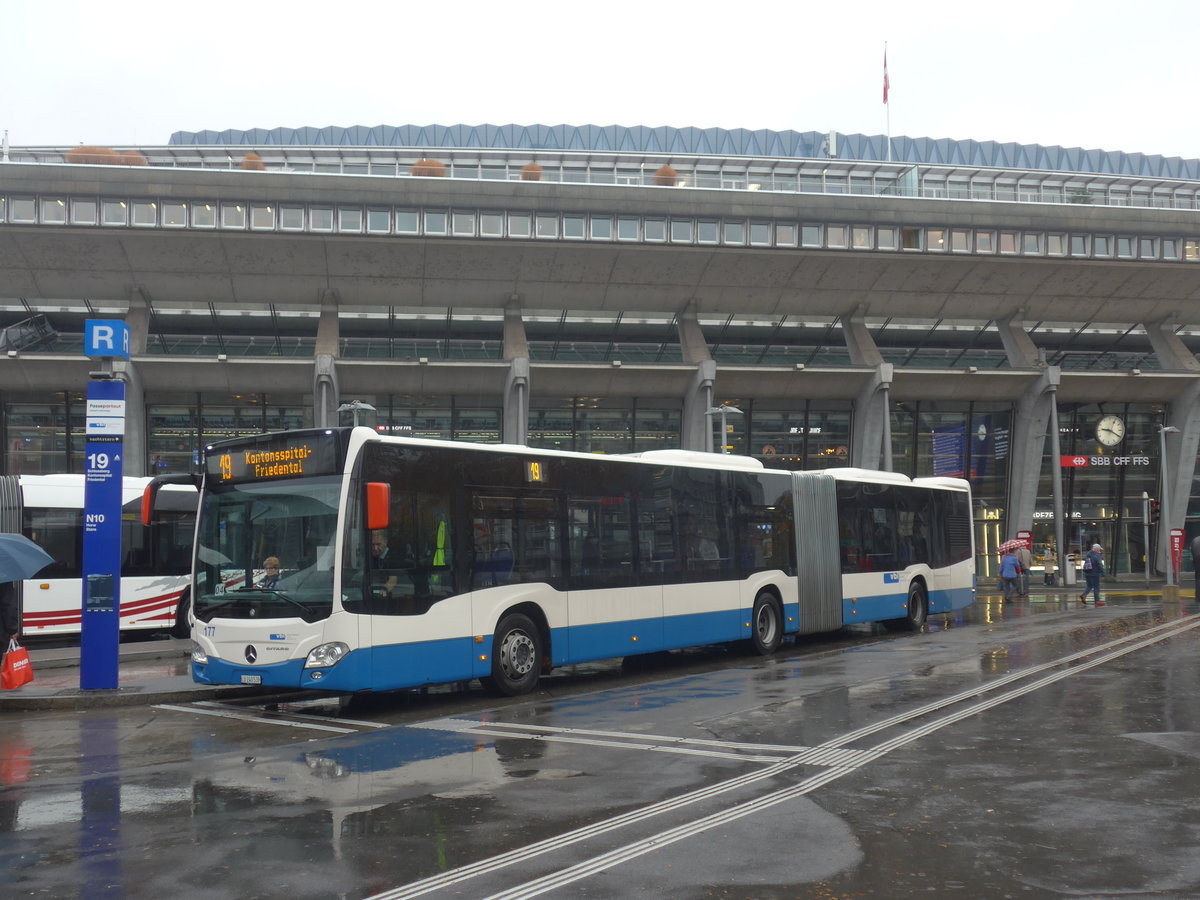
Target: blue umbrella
point(21, 558)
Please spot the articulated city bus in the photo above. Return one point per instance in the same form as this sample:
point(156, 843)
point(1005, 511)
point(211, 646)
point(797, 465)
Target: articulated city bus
point(344, 560)
point(155, 557)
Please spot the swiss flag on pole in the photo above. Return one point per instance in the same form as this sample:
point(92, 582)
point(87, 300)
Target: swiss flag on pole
point(886, 83)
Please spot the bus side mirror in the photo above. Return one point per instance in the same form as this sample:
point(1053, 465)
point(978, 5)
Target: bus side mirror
point(379, 501)
point(148, 497)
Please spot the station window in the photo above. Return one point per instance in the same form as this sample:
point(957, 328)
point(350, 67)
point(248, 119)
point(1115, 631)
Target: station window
point(860, 237)
point(291, 218)
point(463, 223)
point(407, 221)
point(1148, 248)
point(520, 225)
point(1079, 245)
point(145, 213)
point(1031, 243)
point(204, 215)
point(3, 208)
point(573, 227)
point(491, 224)
point(84, 212)
point(760, 234)
point(24, 209)
point(113, 212)
point(602, 228)
point(350, 220)
point(262, 218)
point(734, 233)
point(785, 234)
point(547, 226)
point(935, 238)
point(379, 221)
point(1191, 250)
point(1102, 245)
point(707, 231)
point(985, 242)
point(54, 211)
point(960, 240)
point(681, 231)
point(1124, 247)
point(628, 229)
point(1056, 245)
point(233, 215)
point(174, 215)
point(1008, 242)
point(435, 222)
point(910, 238)
point(1170, 248)
point(885, 238)
point(655, 229)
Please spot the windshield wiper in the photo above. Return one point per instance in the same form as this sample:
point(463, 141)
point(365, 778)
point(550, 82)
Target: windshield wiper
point(210, 611)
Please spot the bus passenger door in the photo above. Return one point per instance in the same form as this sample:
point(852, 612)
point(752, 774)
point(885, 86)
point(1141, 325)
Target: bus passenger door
point(610, 613)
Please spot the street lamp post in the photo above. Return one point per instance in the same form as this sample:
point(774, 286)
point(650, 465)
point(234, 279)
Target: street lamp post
point(723, 412)
point(1166, 499)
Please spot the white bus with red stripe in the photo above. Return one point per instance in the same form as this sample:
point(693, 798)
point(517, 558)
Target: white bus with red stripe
point(155, 558)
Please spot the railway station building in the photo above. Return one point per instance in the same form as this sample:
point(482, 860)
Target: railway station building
point(1024, 316)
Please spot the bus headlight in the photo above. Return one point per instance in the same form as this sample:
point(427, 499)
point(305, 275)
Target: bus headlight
point(326, 655)
point(198, 655)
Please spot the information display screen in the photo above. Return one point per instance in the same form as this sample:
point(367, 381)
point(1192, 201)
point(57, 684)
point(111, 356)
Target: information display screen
point(280, 456)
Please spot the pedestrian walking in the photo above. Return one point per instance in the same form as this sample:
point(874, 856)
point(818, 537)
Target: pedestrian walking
point(1025, 558)
point(1093, 568)
point(1010, 571)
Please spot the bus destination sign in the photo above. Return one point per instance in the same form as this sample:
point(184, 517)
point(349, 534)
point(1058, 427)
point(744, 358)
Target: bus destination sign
point(287, 456)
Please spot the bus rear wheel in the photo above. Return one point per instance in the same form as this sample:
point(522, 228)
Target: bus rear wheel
point(766, 624)
point(516, 656)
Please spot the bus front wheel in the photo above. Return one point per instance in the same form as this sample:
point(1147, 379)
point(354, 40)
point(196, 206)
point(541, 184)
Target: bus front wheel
point(516, 656)
point(766, 624)
point(917, 611)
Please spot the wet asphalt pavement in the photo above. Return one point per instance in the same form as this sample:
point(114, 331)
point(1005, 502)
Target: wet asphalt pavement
point(1035, 749)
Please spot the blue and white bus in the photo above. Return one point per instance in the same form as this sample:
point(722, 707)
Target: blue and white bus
point(344, 560)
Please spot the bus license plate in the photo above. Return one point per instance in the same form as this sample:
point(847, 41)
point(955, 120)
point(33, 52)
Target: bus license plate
point(251, 679)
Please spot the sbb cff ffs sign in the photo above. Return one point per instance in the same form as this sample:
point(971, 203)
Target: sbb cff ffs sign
point(1080, 461)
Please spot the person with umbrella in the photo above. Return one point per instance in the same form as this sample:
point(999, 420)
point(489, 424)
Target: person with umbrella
point(20, 558)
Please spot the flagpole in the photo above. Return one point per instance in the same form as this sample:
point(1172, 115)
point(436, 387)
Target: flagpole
point(887, 102)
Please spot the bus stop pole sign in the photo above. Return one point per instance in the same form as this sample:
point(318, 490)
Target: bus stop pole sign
point(101, 589)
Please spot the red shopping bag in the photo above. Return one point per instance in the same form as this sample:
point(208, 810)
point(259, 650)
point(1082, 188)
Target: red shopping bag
point(17, 669)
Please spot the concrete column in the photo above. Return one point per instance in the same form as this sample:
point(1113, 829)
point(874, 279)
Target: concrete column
point(1022, 352)
point(1179, 467)
point(1183, 412)
point(517, 382)
point(326, 394)
point(696, 427)
point(871, 431)
point(134, 445)
point(1027, 444)
point(138, 320)
point(1172, 353)
point(863, 351)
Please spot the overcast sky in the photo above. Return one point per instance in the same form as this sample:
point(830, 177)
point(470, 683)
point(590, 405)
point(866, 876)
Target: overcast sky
point(1099, 75)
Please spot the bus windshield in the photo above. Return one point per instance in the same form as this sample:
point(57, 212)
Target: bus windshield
point(266, 550)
